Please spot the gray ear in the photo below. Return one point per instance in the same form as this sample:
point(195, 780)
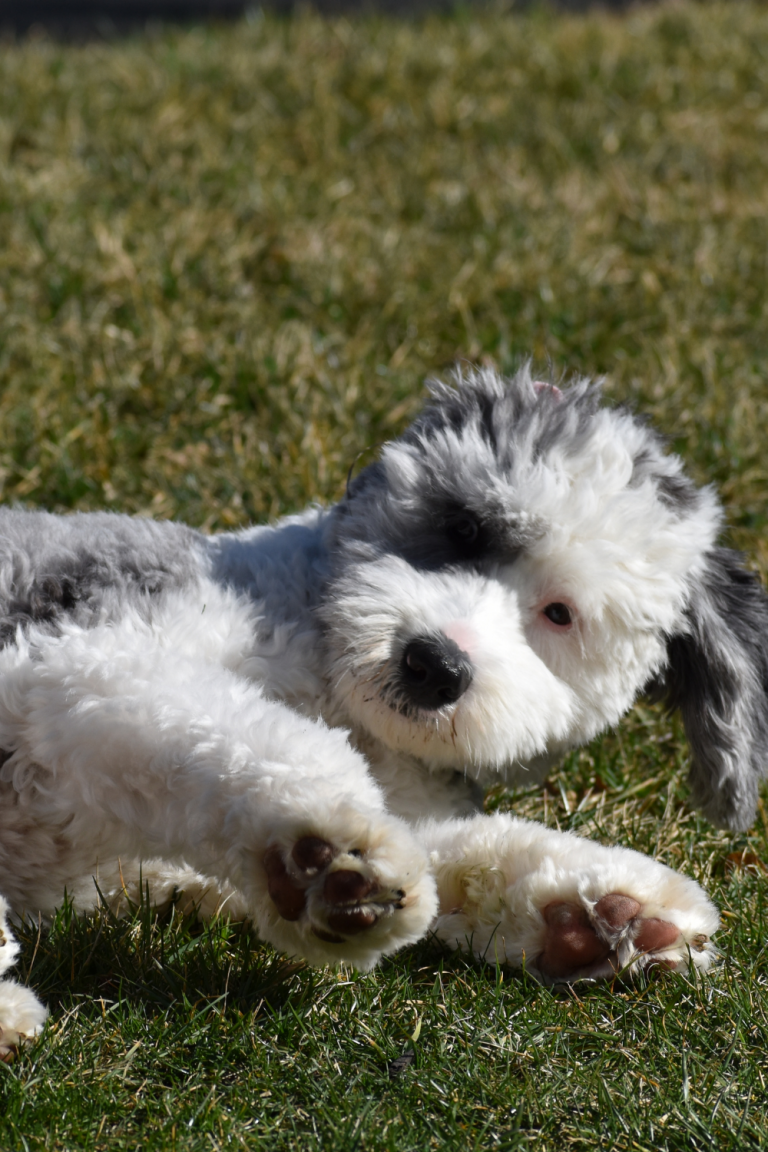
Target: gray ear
point(717, 675)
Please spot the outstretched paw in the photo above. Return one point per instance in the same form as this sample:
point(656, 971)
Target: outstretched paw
point(22, 1017)
point(10, 1042)
point(346, 895)
point(590, 941)
point(351, 903)
point(566, 908)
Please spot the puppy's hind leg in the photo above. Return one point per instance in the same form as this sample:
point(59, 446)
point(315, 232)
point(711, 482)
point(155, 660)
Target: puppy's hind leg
point(22, 1016)
point(517, 893)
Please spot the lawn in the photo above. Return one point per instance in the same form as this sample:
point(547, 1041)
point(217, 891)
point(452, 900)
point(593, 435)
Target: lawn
point(229, 257)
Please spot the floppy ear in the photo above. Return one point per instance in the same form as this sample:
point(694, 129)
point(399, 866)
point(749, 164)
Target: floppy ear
point(717, 675)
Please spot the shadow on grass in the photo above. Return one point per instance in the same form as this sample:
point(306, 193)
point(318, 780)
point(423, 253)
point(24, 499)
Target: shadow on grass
point(155, 959)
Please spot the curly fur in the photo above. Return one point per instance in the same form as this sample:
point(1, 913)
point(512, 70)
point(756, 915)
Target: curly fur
point(298, 720)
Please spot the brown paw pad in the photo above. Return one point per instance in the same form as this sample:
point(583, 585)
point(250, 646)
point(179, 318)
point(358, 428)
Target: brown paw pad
point(311, 854)
point(652, 935)
point(328, 937)
point(347, 887)
point(616, 910)
point(352, 921)
point(574, 943)
point(287, 896)
point(347, 896)
point(571, 943)
point(655, 935)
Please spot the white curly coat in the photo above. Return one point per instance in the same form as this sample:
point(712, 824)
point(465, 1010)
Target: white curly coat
point(198, 707)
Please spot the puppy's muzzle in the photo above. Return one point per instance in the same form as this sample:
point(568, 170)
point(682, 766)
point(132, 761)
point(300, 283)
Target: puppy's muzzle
point(434, 672)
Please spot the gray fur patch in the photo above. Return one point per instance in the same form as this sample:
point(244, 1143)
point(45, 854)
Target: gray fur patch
point(87, 566)
point(429, 530)
point(717, 675)
point(673, 487)
point(506, 416)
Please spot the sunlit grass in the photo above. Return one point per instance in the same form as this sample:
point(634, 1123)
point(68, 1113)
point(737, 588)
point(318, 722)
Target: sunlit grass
point(228, 259)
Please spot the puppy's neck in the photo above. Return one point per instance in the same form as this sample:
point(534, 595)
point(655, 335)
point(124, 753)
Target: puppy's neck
point(282, 569)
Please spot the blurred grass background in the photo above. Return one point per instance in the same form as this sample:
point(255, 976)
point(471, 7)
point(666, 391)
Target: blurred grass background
point(228, 259)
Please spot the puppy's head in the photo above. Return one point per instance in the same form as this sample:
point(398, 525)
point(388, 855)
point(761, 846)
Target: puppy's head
point(517, 567)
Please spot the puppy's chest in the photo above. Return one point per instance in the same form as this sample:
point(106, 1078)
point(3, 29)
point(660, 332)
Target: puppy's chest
point(414, 792)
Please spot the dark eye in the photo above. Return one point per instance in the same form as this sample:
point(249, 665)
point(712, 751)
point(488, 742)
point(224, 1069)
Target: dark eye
point(559, 614)
point(466, 534)
point(463, 527)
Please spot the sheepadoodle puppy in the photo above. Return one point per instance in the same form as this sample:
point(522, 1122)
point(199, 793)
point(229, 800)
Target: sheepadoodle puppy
point(298, 720)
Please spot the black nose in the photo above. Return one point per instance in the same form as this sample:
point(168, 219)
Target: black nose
point(434, 671)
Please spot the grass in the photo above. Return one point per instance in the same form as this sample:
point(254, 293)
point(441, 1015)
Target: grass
point(228, 259)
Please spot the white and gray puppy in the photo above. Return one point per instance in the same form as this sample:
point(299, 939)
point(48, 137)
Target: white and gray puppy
point(299, 719)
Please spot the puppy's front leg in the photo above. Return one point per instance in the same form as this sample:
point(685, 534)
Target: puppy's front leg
point(129, 748)
point(21, 1014)
point(515, 892)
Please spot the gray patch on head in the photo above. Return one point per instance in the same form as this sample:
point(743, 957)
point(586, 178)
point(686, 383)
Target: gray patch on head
point(497, 422)
point(677, 492)
point(87, 567)
point(673, 488)
point(509, 414)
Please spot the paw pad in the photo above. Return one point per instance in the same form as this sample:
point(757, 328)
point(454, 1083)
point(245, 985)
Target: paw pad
point(311, 854)
point(581, 943)
point(348, 898)
point(571, 942)
point(286, 894)
point(616, 910)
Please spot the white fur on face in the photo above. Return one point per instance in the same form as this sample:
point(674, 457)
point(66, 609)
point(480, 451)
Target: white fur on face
point(597, 538)
point(500, 718)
